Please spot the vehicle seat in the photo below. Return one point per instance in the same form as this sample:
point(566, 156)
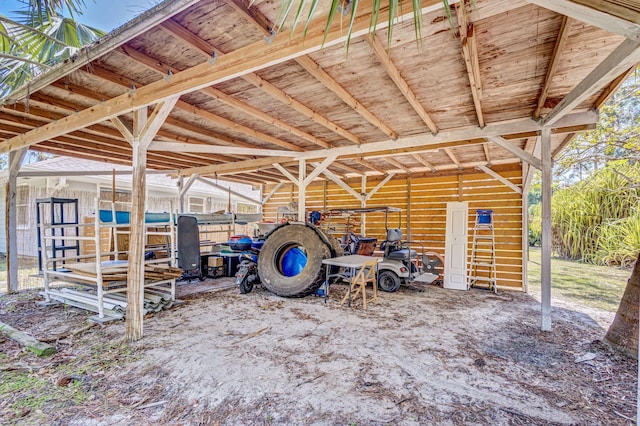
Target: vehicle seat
point(395, 249)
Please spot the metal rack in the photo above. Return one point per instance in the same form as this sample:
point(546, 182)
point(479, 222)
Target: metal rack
point(61, 214)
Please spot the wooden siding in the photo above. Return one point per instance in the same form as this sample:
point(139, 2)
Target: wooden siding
point(423, 200)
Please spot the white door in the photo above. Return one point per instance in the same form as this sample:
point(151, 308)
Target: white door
point(455, 251)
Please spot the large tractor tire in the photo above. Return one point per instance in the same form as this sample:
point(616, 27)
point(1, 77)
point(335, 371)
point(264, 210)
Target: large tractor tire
point(290, 241)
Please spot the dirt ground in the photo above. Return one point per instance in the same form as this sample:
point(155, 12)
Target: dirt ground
point(417, 357)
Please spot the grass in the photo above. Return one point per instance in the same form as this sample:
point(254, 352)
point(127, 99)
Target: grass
point(599, 287)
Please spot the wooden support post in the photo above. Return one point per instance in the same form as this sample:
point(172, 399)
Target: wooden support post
point(180, 194)
point(363, 203)
point(545, 323)
point(525, 241)
point(460, 182)
point(302, 189)
point(11, 192)
point(409, 207)
point(143, 131)
point(324, 195)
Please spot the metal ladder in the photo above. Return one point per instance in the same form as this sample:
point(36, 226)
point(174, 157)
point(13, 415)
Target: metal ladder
point(482, 266)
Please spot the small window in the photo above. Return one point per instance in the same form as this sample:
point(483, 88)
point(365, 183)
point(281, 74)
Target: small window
point(196, 205)
point(23, 207)
point(122, 199)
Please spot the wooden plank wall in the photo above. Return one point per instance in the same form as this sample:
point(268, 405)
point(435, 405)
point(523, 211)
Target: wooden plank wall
point(423, 200)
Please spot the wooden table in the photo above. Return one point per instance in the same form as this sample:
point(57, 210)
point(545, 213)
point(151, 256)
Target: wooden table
point(352, 265)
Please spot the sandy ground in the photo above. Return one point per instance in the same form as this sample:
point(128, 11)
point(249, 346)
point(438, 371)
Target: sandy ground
point(417, 357)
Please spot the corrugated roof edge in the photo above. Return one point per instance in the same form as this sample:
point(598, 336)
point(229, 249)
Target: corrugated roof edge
point(110, 41)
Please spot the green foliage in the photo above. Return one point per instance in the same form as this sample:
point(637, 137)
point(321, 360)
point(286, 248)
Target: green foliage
point(598, 219)
point(36, 39)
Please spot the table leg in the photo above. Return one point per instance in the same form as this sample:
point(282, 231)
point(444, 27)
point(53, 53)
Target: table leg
point(326, 282)
point(352, 272)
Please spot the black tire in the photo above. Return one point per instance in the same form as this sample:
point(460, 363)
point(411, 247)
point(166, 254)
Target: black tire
point(388, 281)
point(276, 244)
point(245, 285)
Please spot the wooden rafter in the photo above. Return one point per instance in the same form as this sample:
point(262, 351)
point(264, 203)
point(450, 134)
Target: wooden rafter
point(487, 153)
point(395, 163)
point(613, 17)
point(393, 72)
point(627, 54)
point(249, 58)
point(612, 87)
point(561, 41)
point(467, 36)
point(321, 75)
point(452, 156)
point(156, 65)
point(205, 49)
point(419, 158)
point(264, 25)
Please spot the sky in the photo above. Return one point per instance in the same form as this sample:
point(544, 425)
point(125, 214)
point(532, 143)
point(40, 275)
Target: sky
point(105, 15)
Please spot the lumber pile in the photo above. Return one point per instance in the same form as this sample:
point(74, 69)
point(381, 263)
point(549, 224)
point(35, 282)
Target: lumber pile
point(113, 271)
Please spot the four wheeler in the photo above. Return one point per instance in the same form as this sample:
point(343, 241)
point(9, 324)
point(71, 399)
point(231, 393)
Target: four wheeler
point(247, 274)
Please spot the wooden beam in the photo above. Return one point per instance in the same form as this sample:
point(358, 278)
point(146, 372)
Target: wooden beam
point(618, 61)
point(487, 154)
point(467, 36)
point(288, 175)
point(157, 65)
point(317, 170)
point(395, 163)
point(221, 149)
point(11, 222)
point(615, 18)
point(517, 151)
point(119, 36)
point(252, 15)
point(272, 193)
point(156, 119)
point(342, 184)
point(419, 158)
point(452, 156)
point(321, 75)
point(382, 183)
point(203, 47)
point(500, 178)
point(227, 189)
point(393, 72)
point(368, 165)
point(545, 276)
point(561, 41)
point(187, 185)
point(250, 58)
point(612, 87)
point(234, 167)
point(124, 128)
point(302, 189)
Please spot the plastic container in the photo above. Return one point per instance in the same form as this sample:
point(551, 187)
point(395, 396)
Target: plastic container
point(484, 216)
point(240, 242)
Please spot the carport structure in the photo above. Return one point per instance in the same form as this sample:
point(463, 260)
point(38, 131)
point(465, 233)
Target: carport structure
point(204, 88)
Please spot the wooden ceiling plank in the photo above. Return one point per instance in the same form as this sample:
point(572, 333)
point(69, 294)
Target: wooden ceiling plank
point(598, 14)
point(250, 58)
point(202, 46)
point(387, 63)
point(467, 36)
point(157, 65)
point(323, 77)
point(561, 41)
point(626, 55)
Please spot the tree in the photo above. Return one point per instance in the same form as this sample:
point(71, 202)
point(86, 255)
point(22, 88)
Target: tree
point(39, 37)
point(623, 332)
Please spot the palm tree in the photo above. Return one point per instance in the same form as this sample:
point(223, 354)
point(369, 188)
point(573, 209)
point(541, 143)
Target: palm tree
point(37, 38)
